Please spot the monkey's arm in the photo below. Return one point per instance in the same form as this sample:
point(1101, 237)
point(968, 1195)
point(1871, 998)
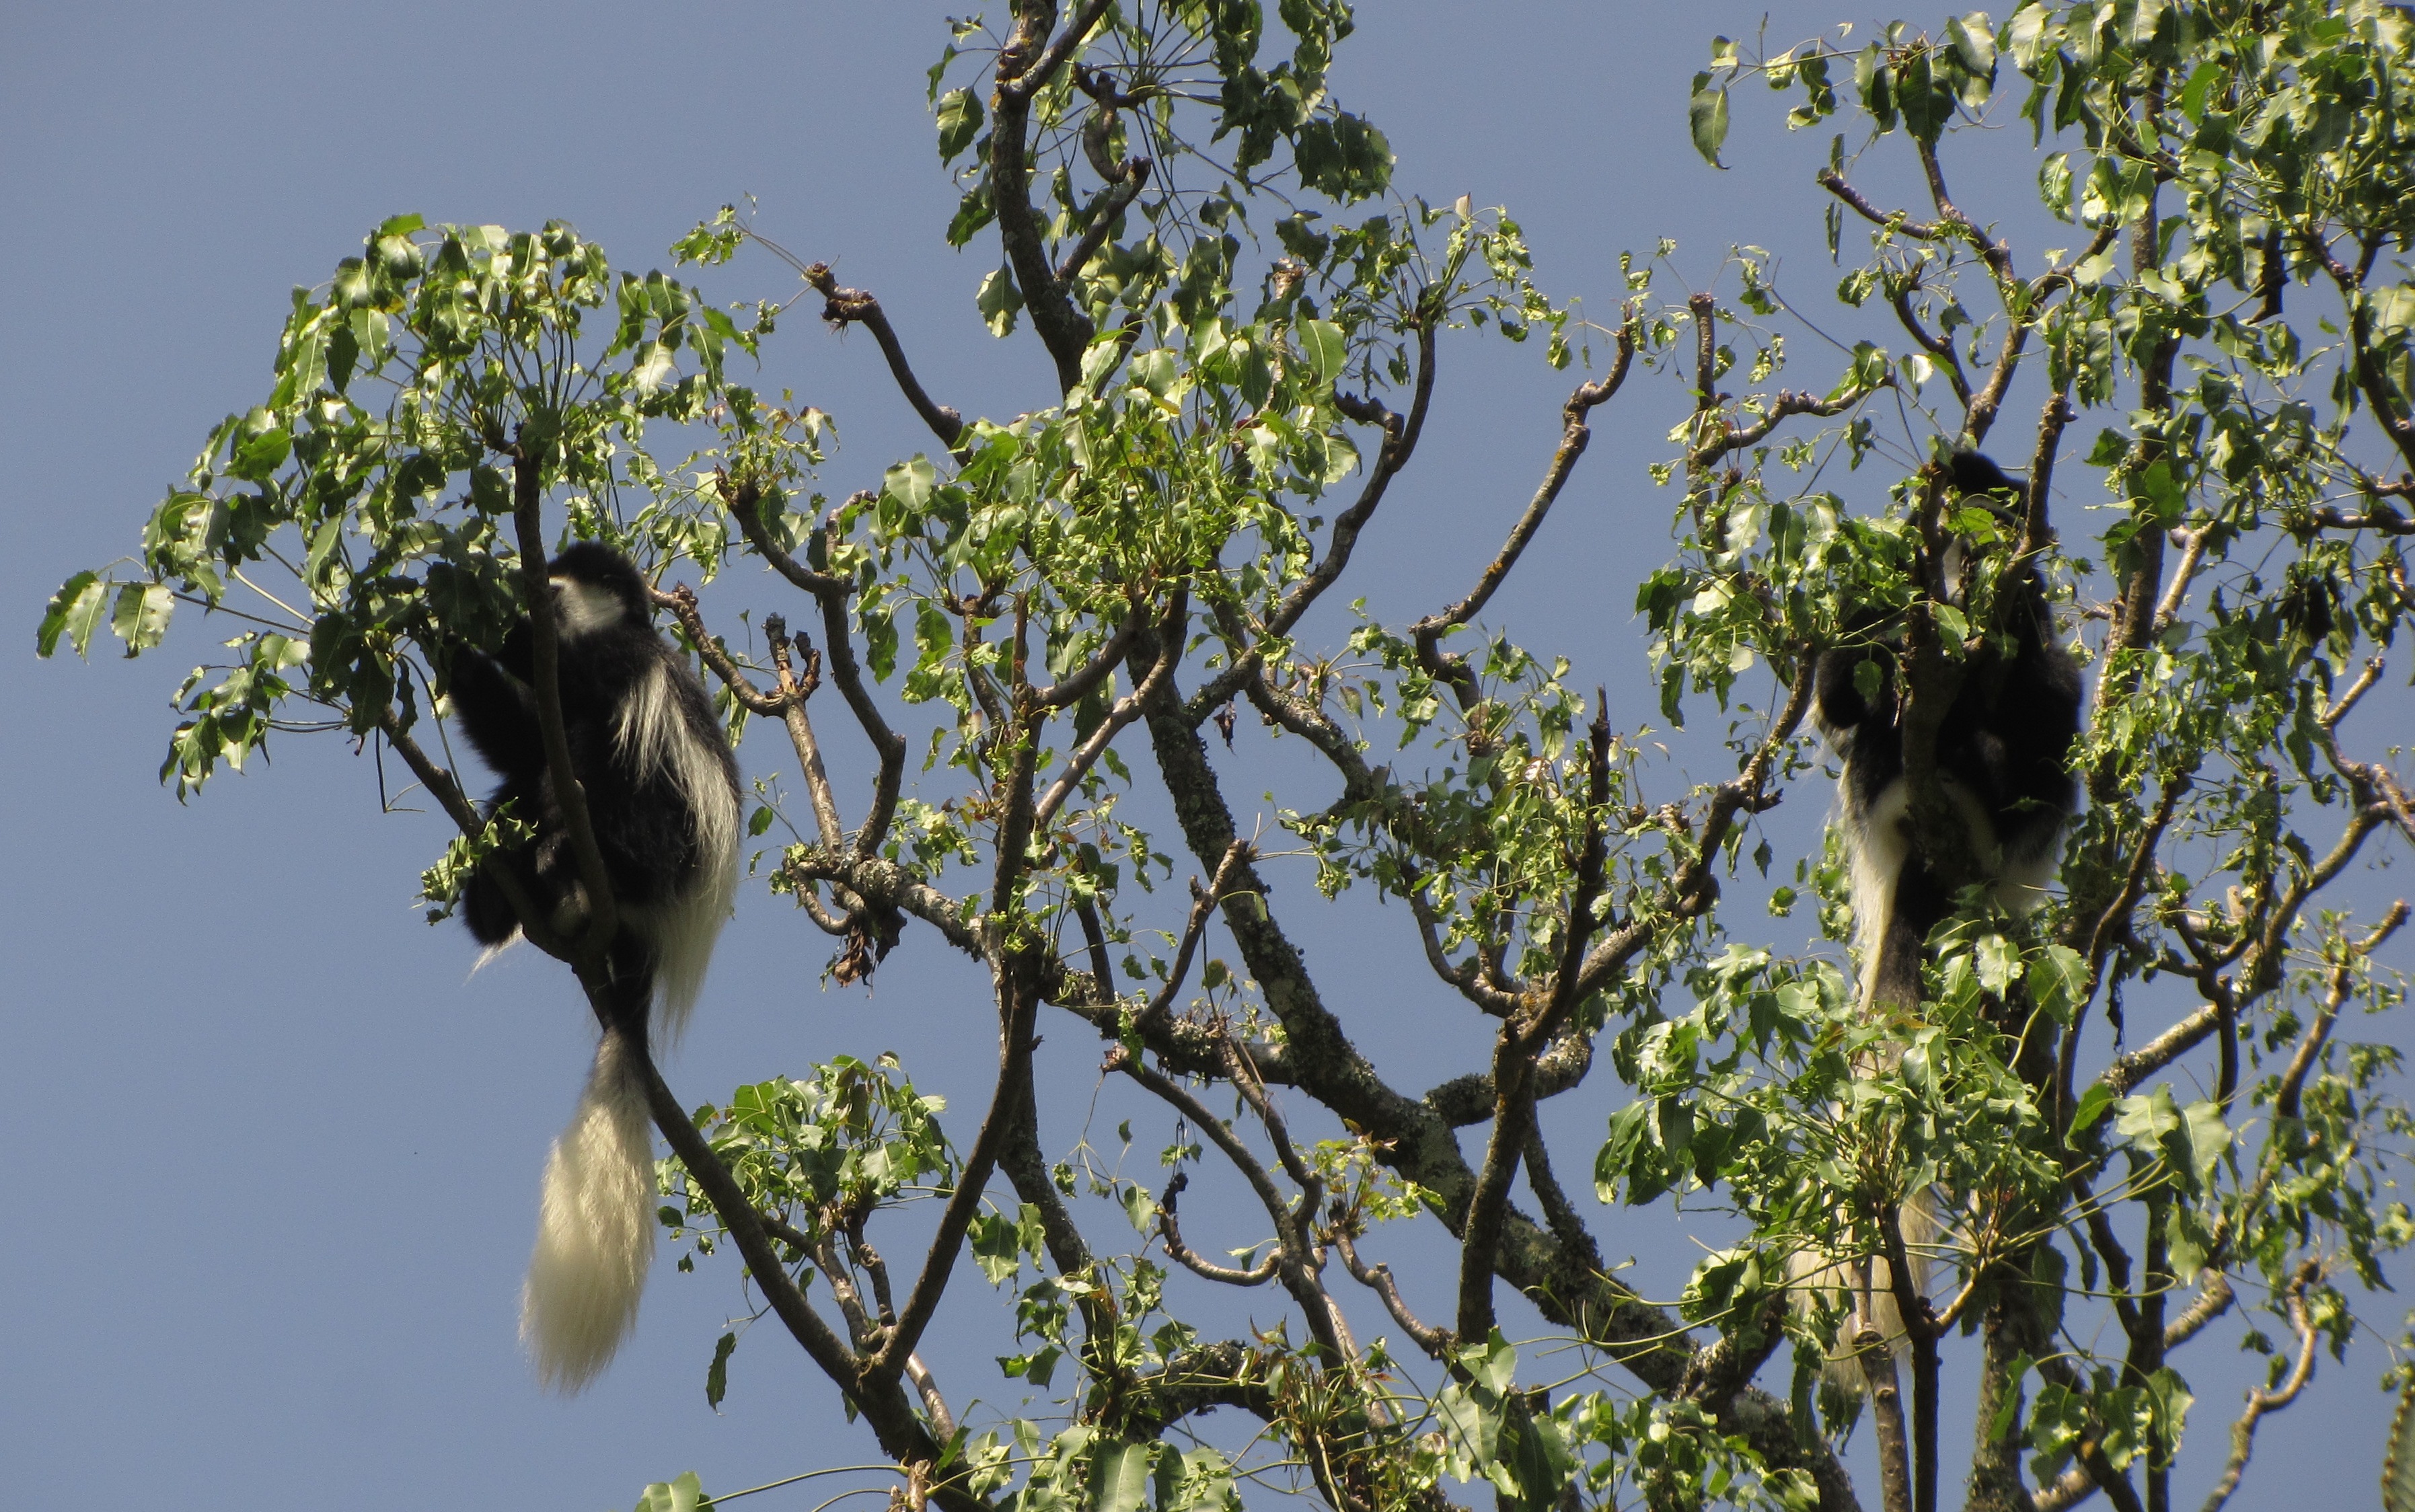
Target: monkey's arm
point(1845, 695)
point(498, 714)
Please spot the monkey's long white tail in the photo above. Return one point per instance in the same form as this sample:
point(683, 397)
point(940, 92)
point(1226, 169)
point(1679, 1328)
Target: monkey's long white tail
point(596, 1228)
point(1835, 1278)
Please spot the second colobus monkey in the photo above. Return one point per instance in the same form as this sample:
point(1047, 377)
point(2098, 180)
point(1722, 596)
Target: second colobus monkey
point(2003, 750)
point(663, 800)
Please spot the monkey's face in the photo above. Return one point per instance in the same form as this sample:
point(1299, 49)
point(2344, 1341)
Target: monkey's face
point(583, 609)
point(596, 589)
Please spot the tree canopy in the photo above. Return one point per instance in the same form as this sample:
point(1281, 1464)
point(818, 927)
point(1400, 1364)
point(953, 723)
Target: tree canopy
point(2139, 1109)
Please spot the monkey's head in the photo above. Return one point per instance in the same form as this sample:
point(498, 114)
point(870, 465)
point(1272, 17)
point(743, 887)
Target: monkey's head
point(596, 589)
point(1977, 483)
point(1975, 474)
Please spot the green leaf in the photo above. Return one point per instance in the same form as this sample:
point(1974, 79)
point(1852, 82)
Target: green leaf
point(74, 610)
point(684, 1494)
point(1974, 42)
point(1707, 113)
point(140, 616)
point(2057, 981)
point(1344, 157)
point(1120, 1476)
point(960, 120)
point(1324, 345)
point(2144, 1118)
point(2208, 1137)
point(1997, 962)
point(717, 1378)
point(2092, 1107)
point(1926, 100)
point(999, 301)
point(910, 483)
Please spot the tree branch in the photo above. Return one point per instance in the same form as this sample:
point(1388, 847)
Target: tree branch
point(794, 691)
point(843, 307)
point(1204, 901)
point(1574, 435)
point(1169, 1231)
point(1018, 1002)
point(1124, 711)
point(1436, 1342)
point(601, 923)
point(2262, 1402)
point(1400, 444)
point(681, 601)
point(1899, 221)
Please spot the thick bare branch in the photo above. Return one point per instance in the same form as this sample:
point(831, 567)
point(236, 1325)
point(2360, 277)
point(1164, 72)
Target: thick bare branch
point(681, 601)
point(1295, 1257)
point(1468, 1100)
point(535, 925)
point(795, 689)
point(1730, 437)
point(1897, 221)
point(1026, 63)
point(744, 501)
point(1121, 713)
point(1111, 203)
point(1076, 685)
point(1930, 342)
point(2390, 408)
point(1693, 887)
point(1876, 1359)
point(2386, 521)
point(1204, 901)
point(1466, 976)
point(885, 883)
point(545, 682)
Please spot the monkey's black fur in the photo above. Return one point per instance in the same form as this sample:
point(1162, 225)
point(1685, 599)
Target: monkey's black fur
point(662, 800)
point(2002, 748)
point(645, 821)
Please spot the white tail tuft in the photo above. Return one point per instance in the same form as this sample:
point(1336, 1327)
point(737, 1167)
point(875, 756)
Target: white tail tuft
point(1838, 1281)
point(596, 1229)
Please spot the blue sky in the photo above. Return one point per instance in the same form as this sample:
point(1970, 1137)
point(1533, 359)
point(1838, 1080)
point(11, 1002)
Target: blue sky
point(276, 1152)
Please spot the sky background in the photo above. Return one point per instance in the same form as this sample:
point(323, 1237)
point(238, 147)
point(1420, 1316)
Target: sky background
point(277, 1154)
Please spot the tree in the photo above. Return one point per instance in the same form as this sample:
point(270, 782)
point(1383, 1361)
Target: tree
point(1244, 325)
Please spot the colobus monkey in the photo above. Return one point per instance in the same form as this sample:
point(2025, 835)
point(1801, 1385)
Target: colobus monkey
point(662, 798)
point(2002, 751)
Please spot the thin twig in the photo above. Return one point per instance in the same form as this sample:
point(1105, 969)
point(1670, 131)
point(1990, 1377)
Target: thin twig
point(1574, 435)
point(2259, 1401)
point(1436, 1342)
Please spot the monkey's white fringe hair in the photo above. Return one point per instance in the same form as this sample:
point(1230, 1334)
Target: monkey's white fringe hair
point(1818, 1277)
point(596, 1229)
point(681, 931)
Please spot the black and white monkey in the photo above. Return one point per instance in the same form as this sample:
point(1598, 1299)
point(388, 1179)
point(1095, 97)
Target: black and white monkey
point(662, 801)
point(2003, 751)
